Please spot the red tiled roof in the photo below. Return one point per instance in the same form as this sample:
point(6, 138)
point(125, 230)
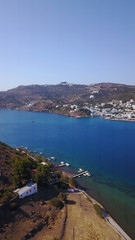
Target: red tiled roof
point(71, 187)
point(33, 171)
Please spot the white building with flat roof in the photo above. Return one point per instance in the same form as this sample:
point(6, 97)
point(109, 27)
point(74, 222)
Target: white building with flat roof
point(27, 190)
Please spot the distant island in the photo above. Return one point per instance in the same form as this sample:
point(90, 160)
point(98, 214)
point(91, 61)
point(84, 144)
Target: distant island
point(107, 100)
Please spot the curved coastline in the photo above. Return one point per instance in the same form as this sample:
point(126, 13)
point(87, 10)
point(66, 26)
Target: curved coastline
point(68, 115)
point(84, 188)
point(107, 217)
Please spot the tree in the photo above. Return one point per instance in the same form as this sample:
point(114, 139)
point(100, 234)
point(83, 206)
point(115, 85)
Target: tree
point(62, 196)
point(21, 170)
point(72, 182)
point(56, 203)
point(43, 174)
point(58, 173)
point(64, 178)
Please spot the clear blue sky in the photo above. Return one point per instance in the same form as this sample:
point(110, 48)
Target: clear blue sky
point(78, 41)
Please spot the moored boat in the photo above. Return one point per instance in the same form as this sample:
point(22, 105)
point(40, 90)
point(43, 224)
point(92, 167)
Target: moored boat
point(80, 170)
point(67, 164)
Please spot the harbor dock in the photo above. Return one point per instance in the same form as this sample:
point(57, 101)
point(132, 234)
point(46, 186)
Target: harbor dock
point(62, 165)
point(82, 173)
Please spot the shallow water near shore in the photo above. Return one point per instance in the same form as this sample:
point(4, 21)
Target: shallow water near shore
point(105, 148)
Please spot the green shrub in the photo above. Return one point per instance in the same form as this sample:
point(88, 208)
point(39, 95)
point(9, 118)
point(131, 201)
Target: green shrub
point(6, 194)
point(63, 185)
point(98, 210)
point(15, 239)
point(64, 178)
point(72, 182)
point(62, 196)
point(13, 206)
point(89, 199)
point(58, 173)
point(56, 203)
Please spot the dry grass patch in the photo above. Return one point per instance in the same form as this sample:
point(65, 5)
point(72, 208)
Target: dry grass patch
point(83, 223)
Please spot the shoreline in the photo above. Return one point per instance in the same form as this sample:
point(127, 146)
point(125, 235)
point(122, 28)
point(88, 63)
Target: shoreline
point(107, 216)
point(121, 120)
point(90, 196)
point(67, 115)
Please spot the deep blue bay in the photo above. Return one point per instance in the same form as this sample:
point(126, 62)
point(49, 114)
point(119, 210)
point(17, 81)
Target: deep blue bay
point(105, 148)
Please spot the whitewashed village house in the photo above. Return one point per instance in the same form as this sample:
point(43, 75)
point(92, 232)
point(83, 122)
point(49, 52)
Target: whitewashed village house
point(27, 190)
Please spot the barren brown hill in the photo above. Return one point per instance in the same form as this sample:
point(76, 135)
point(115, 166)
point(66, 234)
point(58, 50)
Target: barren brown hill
point(51, 98)
point(6, 153)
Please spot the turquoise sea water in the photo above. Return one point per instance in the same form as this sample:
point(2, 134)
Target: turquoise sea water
point(105, 148)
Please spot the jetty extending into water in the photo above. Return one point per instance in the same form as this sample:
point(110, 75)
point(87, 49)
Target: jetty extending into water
point(62, 165)
point(85, 173)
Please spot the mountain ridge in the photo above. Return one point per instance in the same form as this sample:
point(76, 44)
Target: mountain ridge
point(58, 98)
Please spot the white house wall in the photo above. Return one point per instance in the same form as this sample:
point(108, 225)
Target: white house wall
point(31, 190)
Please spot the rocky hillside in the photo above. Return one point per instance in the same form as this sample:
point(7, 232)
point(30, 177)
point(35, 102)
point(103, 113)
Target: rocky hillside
point(60, 98)
point(6, 153)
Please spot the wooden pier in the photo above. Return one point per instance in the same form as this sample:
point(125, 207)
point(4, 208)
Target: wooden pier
point(80, 174)
point(62, 165)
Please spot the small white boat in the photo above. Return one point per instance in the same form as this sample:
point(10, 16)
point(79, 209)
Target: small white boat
point(52, 158)
point(88, 174)
point(80, 170)
point(62, 162)
point(43, 163)
point(34, 151)
point(41, 153)
point(67, 164)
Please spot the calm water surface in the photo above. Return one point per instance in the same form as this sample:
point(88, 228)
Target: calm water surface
point(105, 148)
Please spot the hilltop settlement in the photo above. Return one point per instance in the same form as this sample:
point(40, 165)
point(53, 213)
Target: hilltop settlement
point(104, 100)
